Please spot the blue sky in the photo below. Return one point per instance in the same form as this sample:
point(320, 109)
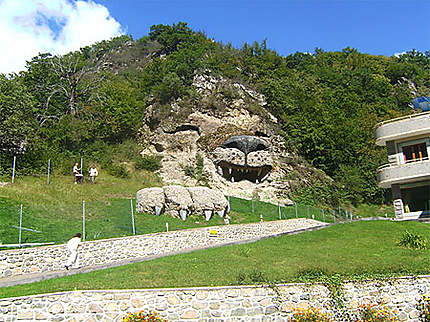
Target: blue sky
point(379, 27)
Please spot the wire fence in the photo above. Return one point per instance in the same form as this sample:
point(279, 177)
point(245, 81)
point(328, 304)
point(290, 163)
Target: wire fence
point(23, 225)
point(259, 210)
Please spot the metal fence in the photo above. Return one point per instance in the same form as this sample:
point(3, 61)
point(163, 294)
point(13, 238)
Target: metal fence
point(258, 210)
point(22, 225)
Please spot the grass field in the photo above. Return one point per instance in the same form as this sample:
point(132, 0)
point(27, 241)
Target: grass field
point(56, 209)
point(351, 250)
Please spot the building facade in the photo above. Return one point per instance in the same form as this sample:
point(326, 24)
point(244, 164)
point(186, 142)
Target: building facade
point(407, 173)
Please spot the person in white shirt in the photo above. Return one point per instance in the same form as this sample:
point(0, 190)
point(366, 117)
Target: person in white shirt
point(93, 173)
point(72, 245)
point(79, 178)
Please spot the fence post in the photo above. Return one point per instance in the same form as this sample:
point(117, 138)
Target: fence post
point(83, 220)
point(49, 165)
point(132, 217)
point(167, 227)
point(252, 205)
point(308, 215)
point(296, 210)
point(13, 169)
point(280, 211)
point(20, 225)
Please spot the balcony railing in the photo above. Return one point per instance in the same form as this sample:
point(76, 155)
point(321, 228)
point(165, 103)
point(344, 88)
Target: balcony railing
point(413, 171)
point(403, 127)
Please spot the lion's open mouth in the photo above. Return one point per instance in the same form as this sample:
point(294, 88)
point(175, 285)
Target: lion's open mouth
point(236, 173)
point(243, 158)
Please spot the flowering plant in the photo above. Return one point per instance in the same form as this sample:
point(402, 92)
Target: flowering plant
point(371, 313)
point(310, 315)
point(143, 316)
point(424, 307)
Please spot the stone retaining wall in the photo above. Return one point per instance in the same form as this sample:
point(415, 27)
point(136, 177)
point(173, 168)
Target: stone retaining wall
point(110, 251)
point(247, 303)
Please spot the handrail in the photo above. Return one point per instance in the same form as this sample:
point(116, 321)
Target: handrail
point(393, 165)
point(401, 118)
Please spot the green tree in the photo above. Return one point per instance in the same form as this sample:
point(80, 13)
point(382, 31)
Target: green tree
point(16, 118)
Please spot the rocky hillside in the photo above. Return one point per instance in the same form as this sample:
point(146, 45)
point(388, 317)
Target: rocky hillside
point(246, 121)
point(225, 139)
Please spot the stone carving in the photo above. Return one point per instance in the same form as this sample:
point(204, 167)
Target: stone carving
point(180, 202)
point(243, 152)
point(205, 200)
point(243, 157)
point(153, 197)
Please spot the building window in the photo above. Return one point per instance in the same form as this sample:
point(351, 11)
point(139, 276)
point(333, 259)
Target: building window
point(415, 152)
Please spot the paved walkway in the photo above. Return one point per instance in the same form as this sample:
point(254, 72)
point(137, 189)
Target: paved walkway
point(39, 263)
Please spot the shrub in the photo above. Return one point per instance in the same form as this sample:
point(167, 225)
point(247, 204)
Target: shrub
point(310, 315)
point(413, 241)
point(196, 171)
point(143, 316)
point(117, 170)
point(254, 277)
point(368, 312)
point(148, 162)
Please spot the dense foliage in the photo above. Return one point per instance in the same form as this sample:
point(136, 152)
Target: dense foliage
point(327, 102)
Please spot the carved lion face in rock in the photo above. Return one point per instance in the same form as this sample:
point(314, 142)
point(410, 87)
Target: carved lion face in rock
point(243, 157)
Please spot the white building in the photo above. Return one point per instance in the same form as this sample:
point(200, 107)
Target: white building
point(408, 172)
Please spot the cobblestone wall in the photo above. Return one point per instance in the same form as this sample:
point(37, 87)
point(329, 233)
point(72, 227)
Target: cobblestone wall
point(247, 303)
point(104, 252)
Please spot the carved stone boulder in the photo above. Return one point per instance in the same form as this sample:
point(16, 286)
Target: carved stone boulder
point(207, 201)
point(180, 202)
point(150, 199)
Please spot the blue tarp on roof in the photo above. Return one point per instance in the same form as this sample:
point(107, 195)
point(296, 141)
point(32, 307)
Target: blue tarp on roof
point(422, 102)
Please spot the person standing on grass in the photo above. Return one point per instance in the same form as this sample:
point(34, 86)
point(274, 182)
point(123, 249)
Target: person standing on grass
point(72, 245)
point(93, 173)
point(77, 173)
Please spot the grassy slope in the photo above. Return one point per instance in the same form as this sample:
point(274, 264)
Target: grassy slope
point(355, 248)
point(56, 209)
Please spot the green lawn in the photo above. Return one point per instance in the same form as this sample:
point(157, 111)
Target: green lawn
point(360, 248)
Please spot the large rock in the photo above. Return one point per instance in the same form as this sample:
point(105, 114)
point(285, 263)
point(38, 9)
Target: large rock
point(179, 201)
point(205, 199)
point(150, 199)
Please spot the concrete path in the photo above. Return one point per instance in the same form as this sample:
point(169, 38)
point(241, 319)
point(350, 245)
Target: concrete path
point(259, 231)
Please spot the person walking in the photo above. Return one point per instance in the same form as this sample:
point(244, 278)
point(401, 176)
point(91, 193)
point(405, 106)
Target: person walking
point(72, 245)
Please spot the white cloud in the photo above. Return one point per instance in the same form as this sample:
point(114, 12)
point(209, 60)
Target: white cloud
point(399, 54)
point(30, 27)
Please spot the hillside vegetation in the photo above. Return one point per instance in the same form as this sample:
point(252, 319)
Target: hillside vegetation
point(91, 103)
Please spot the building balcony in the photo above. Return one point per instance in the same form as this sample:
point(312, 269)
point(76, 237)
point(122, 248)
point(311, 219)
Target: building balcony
point(404, 173)
point(403, 127)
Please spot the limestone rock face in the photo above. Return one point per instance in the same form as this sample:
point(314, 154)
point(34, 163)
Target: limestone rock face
point(180, 202)
point(228, 127)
